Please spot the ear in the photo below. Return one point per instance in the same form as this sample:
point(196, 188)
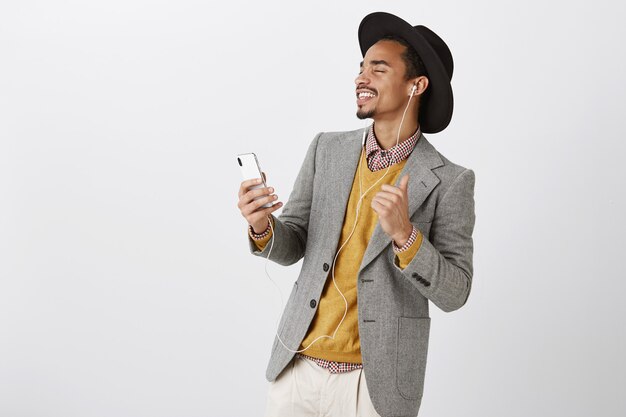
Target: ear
point(422, 84)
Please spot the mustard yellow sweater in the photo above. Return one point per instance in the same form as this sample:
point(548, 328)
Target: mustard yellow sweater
point(346, 347)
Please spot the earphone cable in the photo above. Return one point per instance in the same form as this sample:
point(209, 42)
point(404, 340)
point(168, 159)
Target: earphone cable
point(358, 208)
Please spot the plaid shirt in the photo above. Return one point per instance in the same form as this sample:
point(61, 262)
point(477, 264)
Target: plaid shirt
point(332, 366)
point(377, 159)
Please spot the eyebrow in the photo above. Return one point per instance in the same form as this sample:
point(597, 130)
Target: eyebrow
point(376, 62)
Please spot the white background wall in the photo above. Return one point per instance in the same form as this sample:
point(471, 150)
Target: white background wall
point(126, 286)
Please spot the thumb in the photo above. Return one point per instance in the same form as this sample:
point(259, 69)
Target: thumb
point(404, 182)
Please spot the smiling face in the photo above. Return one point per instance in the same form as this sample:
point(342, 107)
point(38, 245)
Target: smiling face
point(382, 89)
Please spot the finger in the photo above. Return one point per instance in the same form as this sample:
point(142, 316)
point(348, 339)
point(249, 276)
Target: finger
point(273, 208)
point(374, 205)
point(245, 185)
point(258, 215)
point(391, 189)
point(253, 206)
point(259, 192)
point(379, 208)
point(262, 201)
point(404, 183)
point(392, 198)
point(249, 197)
point(383, 202)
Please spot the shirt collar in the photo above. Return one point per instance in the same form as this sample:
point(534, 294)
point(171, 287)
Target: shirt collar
point(404, 147)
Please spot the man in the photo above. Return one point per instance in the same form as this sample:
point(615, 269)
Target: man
point(374, 253)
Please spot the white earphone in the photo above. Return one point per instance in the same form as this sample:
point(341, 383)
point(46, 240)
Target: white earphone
point(413, 89)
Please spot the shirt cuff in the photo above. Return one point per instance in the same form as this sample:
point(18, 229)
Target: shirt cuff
point(408, 243)
point(408, 252)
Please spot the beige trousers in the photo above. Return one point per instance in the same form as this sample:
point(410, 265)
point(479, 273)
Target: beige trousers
point(305, 389)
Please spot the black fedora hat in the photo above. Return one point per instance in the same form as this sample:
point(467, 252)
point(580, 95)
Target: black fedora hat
point(436, 112)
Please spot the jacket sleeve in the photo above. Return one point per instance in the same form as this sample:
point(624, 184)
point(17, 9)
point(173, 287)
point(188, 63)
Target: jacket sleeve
point(442, 268)
point(291, 227)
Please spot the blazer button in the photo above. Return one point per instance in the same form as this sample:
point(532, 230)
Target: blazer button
point(313, 303)
point(416, 275)
point(426, 283)
point(326, 267)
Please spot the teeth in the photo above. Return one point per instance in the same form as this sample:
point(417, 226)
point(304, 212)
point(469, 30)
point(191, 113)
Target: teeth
point(365, 94)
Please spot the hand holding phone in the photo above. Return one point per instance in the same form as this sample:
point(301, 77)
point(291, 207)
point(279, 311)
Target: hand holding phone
point(256, 199)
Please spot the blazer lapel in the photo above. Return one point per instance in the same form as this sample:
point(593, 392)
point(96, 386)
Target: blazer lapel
point(422, 181)
point(341, 162)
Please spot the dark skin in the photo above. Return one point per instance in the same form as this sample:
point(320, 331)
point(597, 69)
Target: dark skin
point(382, 77)
point(383, 72)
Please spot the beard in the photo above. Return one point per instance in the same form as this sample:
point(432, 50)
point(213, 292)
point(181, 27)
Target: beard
point(363, 114)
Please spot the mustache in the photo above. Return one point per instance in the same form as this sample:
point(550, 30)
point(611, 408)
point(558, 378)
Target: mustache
point(362, 87)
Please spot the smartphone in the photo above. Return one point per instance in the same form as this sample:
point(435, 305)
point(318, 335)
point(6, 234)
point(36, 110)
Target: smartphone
point(250, 168)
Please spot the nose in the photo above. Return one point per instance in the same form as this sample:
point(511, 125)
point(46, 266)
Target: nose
point(361, 79)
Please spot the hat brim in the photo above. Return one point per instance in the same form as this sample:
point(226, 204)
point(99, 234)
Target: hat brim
point(437, 112)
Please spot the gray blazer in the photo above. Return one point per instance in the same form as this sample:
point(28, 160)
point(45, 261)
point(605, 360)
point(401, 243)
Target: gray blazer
point(394, 322)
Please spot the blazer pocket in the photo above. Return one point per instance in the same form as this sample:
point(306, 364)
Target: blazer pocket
point(411, 354)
